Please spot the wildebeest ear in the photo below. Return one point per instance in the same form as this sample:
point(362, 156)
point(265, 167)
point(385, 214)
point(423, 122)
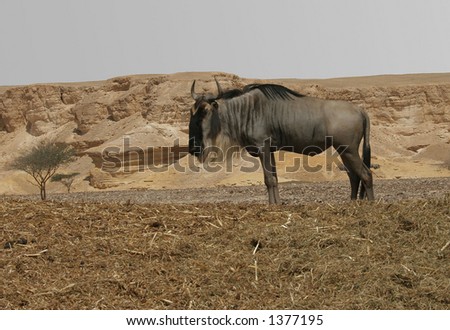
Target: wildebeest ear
point(215, 104)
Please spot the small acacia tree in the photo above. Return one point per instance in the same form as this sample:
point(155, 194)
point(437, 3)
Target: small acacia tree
point(65, 179)
point(42, 161)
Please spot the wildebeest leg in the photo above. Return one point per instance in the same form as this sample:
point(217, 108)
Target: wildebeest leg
point(275, 179)
point(362, 192)
point(354, 179)
point(267, 159)
point(358, 171)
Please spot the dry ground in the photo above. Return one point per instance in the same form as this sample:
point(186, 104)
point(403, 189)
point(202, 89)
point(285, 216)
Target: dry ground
point(316, 252)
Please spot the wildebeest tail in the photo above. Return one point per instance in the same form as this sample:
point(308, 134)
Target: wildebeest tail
point(366, 150)
point(366, 145)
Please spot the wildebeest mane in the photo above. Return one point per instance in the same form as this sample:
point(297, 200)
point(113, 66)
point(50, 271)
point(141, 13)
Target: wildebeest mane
point(273, 92)
point(229, 94)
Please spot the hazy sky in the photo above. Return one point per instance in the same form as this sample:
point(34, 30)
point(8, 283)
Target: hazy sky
point(81, 40)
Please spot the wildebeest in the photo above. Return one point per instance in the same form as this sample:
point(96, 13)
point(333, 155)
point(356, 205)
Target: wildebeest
point(263, 118)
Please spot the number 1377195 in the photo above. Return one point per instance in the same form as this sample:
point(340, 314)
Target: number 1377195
point(292, 319)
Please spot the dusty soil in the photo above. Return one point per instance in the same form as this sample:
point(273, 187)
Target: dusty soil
point(225, 248)
point(290, 192)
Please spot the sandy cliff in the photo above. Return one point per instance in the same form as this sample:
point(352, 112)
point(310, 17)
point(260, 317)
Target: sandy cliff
point(142, 121)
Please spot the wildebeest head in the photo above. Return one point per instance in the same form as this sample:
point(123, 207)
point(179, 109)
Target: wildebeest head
point(204, 125)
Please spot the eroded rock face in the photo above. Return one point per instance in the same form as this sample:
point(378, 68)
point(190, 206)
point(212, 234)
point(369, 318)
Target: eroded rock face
point(400, 104)
point(88, 113)
point(101, 180)
point(166, 99)
point(42, 108)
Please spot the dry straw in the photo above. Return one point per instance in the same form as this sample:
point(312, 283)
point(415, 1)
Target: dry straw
point(225, 256)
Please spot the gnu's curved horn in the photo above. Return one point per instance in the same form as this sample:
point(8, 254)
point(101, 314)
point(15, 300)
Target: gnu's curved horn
point(220, 91)
point(193, 93)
